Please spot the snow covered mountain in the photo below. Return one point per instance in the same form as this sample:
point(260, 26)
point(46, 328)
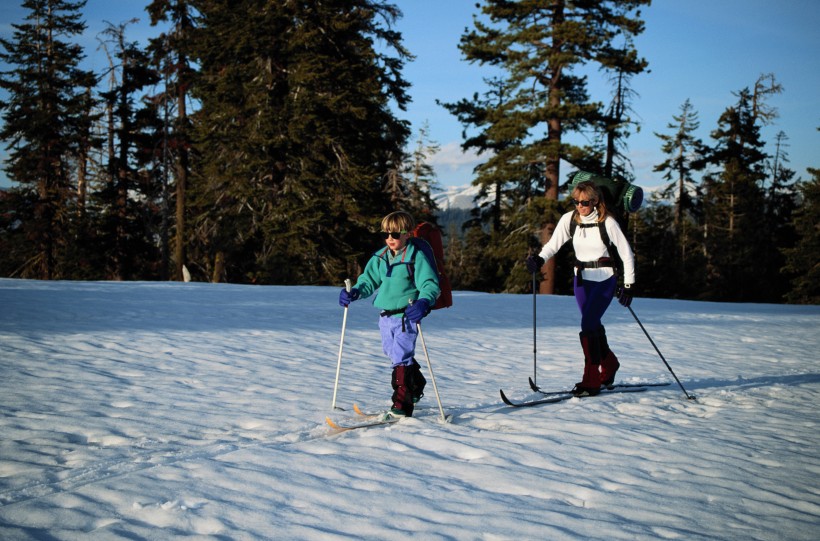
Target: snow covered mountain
point(457, 197)
point(455, 204)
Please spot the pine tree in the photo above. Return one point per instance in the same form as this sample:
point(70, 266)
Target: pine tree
point(803, 260)
point(781, 193)
point(683, 149)
point(734, 203)
point(410, 179)
point(172, 51)
point(621, 65)
point(540, 45)
point(658, 252)
point(422, 177)
point(45, 128)
point(127, 196)
point(295, 135)
point(494, 138)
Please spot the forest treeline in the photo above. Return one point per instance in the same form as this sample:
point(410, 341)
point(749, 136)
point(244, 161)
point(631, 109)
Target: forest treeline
point(253, 141)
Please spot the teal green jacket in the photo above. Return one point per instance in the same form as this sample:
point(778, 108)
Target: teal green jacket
point(391, 276)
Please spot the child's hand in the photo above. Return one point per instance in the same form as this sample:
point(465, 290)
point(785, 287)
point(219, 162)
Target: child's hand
point(416, 311)
point(346, 297)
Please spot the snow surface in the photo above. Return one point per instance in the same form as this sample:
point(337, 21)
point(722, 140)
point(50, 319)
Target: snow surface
point(169, 410)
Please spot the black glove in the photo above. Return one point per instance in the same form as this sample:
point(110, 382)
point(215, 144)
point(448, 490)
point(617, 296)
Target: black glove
point(346, 297)
point(625, 293)
point(416, 311)
point(534, 263)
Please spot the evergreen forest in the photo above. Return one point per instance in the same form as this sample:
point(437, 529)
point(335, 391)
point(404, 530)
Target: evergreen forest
point(266, 148)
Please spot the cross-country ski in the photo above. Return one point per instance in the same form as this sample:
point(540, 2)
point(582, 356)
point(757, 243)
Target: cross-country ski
point(544, 392)
point(560, 396)
point(337, 428)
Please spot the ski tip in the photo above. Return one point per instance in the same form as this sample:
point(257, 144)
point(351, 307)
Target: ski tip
point(504, 398)
point(533, 386)
point(357, 410)
point(330, 422)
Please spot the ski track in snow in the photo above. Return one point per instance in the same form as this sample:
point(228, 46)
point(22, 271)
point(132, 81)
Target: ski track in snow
point(158, 411)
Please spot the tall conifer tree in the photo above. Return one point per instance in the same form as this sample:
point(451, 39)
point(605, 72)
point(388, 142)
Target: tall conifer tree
point(171, 51)
point(126, 197)
point(802, 259)
point(734, 203)
point(617, 119)
point(496, 176)
point(422, 177)
point(295, 133)
point(683, 149)
point(541, 45)
point(46, 131)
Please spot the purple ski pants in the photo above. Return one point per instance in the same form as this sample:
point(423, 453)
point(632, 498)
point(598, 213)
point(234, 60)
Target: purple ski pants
point(399, 345)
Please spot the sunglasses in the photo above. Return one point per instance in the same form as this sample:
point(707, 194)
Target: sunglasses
point(393, 234)
point(585, 203)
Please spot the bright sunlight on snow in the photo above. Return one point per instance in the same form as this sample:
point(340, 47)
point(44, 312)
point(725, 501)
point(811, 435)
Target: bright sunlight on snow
point(170, 410)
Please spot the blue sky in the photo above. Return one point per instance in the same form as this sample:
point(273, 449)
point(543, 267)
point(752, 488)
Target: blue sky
point(703, 50)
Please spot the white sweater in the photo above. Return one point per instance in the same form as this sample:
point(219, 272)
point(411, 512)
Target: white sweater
point(589, 246)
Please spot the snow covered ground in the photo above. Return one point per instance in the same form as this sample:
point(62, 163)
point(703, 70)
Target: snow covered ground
point(167, 410)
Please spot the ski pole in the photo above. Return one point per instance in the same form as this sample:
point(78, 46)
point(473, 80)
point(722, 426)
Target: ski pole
point(348, 286)
point(534, 346)
point(430, 368)
point(690, 397)
point(432, 377)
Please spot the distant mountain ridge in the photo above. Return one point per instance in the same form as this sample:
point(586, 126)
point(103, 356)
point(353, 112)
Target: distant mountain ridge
point(455, 204)
point(457, 197)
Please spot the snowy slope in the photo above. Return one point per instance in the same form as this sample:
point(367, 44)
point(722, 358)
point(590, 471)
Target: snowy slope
point(165, 411)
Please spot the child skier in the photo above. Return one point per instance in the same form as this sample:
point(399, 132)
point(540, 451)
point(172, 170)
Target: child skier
point(407, 285)
point(595, 278)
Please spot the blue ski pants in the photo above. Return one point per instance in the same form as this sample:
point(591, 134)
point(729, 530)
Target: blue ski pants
point(593, 300)
point(398, 344)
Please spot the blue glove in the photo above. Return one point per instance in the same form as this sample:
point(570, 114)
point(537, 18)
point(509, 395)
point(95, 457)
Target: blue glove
point(534, 263)
point(346, 297)
point(625, 293)
point(416, 311)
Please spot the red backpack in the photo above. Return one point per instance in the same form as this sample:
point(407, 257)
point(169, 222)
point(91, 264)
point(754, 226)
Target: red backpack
point(433, 249)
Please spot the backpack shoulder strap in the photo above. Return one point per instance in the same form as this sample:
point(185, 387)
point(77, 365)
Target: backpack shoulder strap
point(424, 247)
point(604, 234)
point(613, 249)
point(411, 265)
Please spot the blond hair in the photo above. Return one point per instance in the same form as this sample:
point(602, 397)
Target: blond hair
point(592, 192)
point(398, 221)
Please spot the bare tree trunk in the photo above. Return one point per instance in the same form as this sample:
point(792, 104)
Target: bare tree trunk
point(547, 286)
point(552, 165)
point(219, 267)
